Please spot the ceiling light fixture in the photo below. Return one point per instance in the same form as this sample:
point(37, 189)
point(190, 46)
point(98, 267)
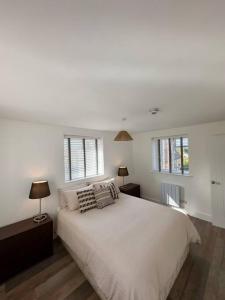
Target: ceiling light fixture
point(123, 135)
point(154, 111)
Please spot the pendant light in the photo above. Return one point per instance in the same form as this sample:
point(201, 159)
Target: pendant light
point(123, 135)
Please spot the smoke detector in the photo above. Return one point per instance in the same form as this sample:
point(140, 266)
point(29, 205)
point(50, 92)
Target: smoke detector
point(154, 111)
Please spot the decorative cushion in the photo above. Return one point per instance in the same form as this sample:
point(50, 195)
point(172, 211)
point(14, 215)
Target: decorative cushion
point(71, 198)
point(101, 185)
point(113, 180)
point(103, 197)
point(98, 184)
point(86, 198)
point(113, 190)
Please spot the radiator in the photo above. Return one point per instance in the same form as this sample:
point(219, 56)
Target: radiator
point(171, 194)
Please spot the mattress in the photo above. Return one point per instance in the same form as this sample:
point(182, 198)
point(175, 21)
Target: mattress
point(131, 250)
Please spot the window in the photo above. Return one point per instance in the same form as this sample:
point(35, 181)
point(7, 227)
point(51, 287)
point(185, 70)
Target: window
point(83, 158)
point(171, 155)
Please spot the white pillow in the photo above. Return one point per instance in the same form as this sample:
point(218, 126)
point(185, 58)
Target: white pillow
point(62, 196)
point(97, 181)
point(72, 199)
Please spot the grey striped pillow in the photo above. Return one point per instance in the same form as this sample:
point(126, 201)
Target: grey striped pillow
point(86, 199)
point(103, 197)
point(113, 190)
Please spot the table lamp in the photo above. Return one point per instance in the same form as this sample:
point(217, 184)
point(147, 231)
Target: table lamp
point(123, 172)
point(39, 190)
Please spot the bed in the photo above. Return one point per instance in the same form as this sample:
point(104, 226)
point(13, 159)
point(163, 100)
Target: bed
point(131, 250)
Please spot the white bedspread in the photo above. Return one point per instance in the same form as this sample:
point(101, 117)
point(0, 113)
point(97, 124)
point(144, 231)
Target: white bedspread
point(132, 250)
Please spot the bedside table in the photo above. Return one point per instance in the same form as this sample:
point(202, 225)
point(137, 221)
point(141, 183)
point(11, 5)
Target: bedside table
point(23, 244)
point(131, 189)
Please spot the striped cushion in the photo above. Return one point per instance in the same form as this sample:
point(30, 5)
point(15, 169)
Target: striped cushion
point(86, 199)
point(100, 185)
point(103, 197)
point(111, 187)
point(113, 190)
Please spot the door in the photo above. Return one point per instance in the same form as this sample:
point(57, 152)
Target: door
point(217, 150)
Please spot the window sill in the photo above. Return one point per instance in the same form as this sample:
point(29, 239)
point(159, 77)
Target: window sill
point(84, 179)
point(173, 174)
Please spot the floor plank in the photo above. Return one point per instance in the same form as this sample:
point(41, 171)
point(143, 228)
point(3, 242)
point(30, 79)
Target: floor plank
point(61, 284)
point(58, 277)
point(32, 282)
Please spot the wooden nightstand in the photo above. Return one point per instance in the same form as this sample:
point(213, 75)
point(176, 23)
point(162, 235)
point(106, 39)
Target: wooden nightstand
point(23, 244)
point(132, 189)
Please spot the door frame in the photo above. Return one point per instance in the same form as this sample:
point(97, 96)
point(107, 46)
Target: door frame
point(217, 186)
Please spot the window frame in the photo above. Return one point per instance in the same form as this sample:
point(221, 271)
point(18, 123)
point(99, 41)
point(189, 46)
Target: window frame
point(156, 142)
point(83, 138)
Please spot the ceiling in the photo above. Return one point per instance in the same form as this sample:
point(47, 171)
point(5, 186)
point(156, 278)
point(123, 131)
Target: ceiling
point(89, 63)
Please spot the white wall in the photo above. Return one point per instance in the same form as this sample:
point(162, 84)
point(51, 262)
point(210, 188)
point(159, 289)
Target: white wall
point(197, 186)
point(30, 151)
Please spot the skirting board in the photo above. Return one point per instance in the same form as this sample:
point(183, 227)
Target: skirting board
point(198, 215)
point(150, 199)
point(201, 216)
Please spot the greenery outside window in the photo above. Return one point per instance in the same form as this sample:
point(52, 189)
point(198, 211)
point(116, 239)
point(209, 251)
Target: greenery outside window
point(171, 155)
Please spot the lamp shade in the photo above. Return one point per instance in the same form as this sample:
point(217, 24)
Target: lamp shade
point(39, 189)
point(123, 171)
point(123, 136)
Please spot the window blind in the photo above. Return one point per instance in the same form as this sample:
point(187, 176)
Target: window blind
point(77, 159)
point(66, 160)
point(91, 157)
point(83, 157)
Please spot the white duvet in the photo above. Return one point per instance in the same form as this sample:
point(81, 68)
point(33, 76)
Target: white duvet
point(131, 250)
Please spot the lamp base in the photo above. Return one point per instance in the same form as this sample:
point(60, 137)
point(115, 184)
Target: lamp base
point(40, 218)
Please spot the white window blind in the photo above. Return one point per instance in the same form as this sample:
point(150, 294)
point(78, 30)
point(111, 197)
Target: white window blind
point(171, 155)
point(83, 158)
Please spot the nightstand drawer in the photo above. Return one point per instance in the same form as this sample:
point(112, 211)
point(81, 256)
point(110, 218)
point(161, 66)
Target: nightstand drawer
point(131, 189)
point(23, 249)
point(135, 192)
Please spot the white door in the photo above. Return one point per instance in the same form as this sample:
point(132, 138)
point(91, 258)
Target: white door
point(217, 149)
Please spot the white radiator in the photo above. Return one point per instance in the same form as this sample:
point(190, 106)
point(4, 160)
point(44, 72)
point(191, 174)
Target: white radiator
point(171, 194)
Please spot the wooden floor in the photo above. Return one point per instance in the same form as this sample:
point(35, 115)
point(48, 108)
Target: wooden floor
point(201, 278)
